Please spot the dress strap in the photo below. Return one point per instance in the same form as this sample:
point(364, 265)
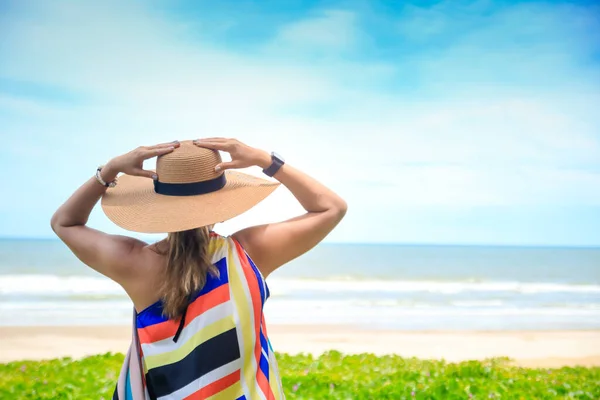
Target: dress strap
point(181, 325)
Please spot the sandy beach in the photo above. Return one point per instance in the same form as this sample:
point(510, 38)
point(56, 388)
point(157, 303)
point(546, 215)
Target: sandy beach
point(527, 348)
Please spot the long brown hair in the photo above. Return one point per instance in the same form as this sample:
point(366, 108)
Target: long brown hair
point(188, 263)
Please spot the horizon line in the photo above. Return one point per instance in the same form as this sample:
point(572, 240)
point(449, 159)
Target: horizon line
point(438, 244)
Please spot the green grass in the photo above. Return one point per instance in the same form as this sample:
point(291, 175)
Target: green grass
point(331, 376)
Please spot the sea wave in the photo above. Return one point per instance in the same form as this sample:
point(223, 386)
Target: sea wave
point(359, 311)
point(340, 307)
point(61, 286)
point(65, 286)
point(327, 307)
point(281, 287)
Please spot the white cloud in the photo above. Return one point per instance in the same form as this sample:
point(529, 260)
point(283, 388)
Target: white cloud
point(331, 30)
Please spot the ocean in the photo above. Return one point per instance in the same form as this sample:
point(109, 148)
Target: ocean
point(366, 286)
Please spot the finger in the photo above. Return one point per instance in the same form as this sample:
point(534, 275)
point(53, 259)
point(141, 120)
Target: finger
point(145, 174)
point(212, 145)
point(226, 165)
point(174, 143)
point(209, 141)
point(159, 151)
point(213, 139)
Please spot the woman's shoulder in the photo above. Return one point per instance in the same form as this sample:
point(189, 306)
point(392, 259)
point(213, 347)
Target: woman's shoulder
point(221, 246)
point(218, 241)
point(229, 247)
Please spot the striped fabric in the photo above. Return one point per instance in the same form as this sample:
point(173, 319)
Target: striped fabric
point(222, 352)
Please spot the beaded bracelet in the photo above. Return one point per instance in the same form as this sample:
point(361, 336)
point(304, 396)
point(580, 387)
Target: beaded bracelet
point(111, 184)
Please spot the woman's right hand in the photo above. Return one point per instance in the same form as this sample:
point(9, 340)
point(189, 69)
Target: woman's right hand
point(242, 155)
point(132, 163)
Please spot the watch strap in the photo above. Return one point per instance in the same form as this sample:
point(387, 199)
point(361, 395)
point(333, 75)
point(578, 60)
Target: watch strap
point(272, 169)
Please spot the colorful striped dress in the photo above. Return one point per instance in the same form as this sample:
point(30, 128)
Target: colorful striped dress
point(221, 349)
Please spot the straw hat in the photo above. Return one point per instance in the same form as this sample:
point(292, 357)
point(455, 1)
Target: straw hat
point(188, 193)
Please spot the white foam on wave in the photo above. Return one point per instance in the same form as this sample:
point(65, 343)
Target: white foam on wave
point(52, 285)
point(280, 287)
point(353, 311)
point(304, 306)
point(64, 286)
point(475, 303)
point(45, 306)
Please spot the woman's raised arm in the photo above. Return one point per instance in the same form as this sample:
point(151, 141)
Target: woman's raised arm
point(272, 245)
point(108, 254)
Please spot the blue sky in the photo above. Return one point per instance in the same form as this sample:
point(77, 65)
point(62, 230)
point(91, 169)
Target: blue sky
point(439, 122)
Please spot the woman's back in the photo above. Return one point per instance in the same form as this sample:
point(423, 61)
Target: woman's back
point(221, 346)
point(206, 337)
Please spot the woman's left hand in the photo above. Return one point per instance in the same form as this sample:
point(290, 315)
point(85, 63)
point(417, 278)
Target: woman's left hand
point(132, 163)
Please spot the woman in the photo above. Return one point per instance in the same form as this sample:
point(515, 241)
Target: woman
point(199, 329)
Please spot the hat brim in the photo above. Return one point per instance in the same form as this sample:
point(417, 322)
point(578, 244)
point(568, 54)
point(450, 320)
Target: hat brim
point(134, 205)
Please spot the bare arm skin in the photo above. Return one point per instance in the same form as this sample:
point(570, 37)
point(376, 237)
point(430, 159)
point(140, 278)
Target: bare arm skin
point(272, 245)
point(111, 255)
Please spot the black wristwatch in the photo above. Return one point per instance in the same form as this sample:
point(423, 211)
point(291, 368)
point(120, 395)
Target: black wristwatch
point(272, 169)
